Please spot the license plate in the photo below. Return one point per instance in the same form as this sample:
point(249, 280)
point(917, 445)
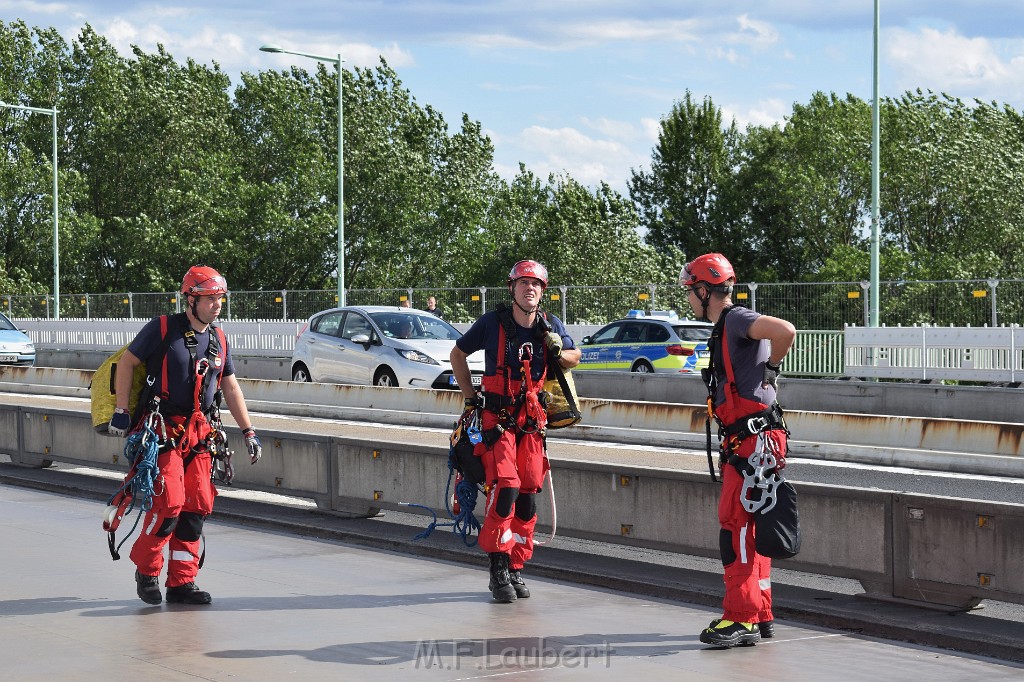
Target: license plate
point(8, 358)
point(453, 382)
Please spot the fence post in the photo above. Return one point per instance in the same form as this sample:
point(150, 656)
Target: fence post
point(650, 292)
point(87, 307)
point(483, 300)
point(228, 297)
point(284, 305)
point(867, 312)
point(564, 290)
point(753, 295)
point(992, 284)
point(131, 305)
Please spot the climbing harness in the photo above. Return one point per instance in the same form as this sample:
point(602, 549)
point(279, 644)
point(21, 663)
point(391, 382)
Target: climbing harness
point(756, 419)
point(139, 487)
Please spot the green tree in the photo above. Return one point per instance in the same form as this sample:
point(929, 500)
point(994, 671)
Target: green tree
point(691, 164)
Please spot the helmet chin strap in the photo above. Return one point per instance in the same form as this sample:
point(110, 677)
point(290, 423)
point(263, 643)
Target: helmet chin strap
point(512, 290)
point(528, 312)
point(195, 310)
point(704, 300)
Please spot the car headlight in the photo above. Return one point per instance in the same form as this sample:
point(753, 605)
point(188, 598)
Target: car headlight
point(417, 356)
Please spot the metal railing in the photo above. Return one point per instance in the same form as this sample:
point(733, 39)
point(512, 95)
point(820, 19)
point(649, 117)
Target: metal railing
point(814, 305)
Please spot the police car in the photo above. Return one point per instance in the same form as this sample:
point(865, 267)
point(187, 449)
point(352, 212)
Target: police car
point(660, 342)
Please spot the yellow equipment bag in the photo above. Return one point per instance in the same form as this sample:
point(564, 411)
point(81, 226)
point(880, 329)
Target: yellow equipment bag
point(563, 405)
point(103, 394)
point(103, 391)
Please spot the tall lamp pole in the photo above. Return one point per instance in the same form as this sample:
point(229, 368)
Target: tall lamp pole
point(56, 238)
point(873, 295)
point(341, 161)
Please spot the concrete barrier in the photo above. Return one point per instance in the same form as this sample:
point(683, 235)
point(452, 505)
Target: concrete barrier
point(988, 448)
point(946, 553)
point(977, 403)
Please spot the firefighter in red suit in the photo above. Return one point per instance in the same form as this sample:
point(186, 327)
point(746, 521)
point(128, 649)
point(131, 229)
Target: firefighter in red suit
point(747, 354)
point(186, 383)
point(516, 353)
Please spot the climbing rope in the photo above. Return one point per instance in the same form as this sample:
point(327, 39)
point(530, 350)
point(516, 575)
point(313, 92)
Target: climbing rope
point(141, 453)
point(464, 523)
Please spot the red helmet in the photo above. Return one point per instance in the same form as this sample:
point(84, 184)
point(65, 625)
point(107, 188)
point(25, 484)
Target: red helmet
point(201, 280)
point(712, 268)
point(528, 268)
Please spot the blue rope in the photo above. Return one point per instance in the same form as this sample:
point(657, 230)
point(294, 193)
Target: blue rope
point(463, 524)
point(141, 452)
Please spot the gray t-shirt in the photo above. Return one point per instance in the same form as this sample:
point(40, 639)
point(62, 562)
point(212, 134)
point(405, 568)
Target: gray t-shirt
point(748, 357)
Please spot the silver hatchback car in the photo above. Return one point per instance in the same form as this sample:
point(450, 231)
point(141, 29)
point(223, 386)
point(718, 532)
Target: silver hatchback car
point(380, 346)
point(16, 348)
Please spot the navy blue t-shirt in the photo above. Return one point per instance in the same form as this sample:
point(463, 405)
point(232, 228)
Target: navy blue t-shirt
point(483, 335)
point(179, 366)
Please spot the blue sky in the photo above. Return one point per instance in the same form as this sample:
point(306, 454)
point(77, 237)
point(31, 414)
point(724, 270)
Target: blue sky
point(579, 86)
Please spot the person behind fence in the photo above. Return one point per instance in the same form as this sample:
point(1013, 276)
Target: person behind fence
point(196, 361)
point(746, 359)
point(432, 307)
point(516, 355)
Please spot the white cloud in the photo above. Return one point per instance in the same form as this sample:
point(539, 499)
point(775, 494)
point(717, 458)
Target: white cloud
point(588, 160)
point(756, 33)
point(28, 7)
point(766, 112)
point(949, 62)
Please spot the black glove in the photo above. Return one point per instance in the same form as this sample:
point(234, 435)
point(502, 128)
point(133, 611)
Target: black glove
point(476, 401)
point(554, 343)
point(119, 423)
point(252, 443)
point(771, 375)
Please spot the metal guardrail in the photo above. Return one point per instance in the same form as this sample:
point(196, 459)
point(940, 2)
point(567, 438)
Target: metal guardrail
point(959, 353)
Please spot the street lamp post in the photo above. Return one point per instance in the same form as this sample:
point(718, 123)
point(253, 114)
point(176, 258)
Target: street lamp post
point(56, 238)
point(875, 190)
point(341, 161)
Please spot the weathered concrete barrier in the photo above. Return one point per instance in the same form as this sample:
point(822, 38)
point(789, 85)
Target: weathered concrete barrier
point(947, 553)
point(967, 446)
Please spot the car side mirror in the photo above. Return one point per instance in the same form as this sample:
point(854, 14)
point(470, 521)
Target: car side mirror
point(586, 340)
point(361, 338)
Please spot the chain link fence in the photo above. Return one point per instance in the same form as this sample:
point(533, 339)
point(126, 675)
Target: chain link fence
point(816, 305)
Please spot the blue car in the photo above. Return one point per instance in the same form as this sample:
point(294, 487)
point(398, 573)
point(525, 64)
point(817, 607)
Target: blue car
point(15, 346)
point(659, 343)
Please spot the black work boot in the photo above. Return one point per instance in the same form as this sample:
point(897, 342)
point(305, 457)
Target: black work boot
point(148, 588)
point(189, 593)
point(767, 628)
point(522, 591)
point(501, 583)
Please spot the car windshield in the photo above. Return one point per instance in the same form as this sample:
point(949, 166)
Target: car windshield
point(686, 333)
point(417, 327)
point(5, 324)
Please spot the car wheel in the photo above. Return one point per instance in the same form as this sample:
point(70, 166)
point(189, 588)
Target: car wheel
point(300, 373)
point(643, 367)
point(385, 377)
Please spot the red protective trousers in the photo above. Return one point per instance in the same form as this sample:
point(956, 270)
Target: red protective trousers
point(514, 465)
point(183, 498)
point(748, 579)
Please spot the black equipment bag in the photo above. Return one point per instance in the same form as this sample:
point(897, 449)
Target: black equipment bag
point(466, 462)
point(777, 531)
